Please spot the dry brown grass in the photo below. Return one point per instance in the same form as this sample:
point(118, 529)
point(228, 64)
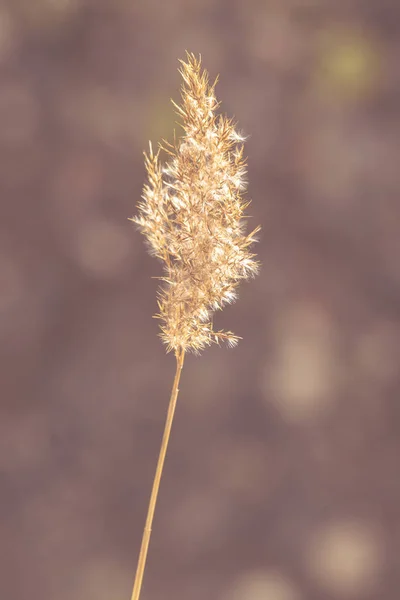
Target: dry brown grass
point(192, 215)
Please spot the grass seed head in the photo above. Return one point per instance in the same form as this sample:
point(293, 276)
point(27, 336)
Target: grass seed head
point(192, 214)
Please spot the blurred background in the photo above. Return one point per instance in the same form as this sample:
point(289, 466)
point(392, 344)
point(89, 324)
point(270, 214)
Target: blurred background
point(282, 480)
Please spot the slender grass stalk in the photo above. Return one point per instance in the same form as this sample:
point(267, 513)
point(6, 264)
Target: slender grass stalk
point(192, 214)
point(137, 586)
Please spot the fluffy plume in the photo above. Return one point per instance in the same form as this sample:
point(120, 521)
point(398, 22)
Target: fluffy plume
point(192, 214)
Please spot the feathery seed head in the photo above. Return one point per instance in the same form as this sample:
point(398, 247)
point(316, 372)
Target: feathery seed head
point(192, 216)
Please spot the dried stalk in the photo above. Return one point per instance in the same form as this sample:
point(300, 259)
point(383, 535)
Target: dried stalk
point(192, 214)
point(157, 478)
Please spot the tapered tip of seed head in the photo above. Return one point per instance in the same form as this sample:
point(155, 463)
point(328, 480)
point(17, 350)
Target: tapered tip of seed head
point(191, 59)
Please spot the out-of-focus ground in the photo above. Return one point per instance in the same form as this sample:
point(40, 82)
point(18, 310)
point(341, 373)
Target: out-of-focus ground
point(282, 480)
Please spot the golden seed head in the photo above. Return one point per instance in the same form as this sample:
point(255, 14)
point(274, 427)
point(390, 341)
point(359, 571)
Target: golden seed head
point(192, 216)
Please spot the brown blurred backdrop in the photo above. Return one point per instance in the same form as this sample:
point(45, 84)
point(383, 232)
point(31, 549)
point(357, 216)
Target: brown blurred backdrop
point(282, 479)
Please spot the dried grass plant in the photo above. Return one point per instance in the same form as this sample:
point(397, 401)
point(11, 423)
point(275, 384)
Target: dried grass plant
point(192, 215)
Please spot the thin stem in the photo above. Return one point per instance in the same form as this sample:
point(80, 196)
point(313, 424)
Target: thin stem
point(137, 586)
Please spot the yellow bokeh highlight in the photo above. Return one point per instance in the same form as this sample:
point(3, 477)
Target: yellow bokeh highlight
point(348, 64)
